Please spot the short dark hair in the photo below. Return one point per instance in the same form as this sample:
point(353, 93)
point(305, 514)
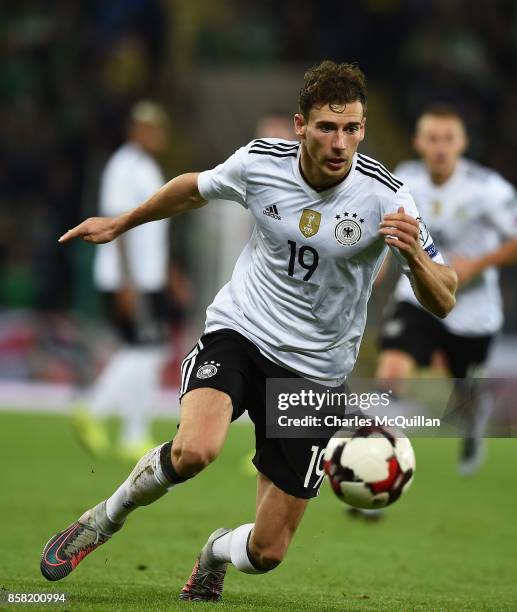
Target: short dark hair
point(332, 84)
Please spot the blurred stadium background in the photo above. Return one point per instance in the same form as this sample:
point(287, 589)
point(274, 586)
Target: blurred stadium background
point(71, 70)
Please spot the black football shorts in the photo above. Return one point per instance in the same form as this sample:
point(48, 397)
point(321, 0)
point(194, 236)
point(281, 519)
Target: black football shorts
point(149, 325)
point(418, 333)
point(227, 361)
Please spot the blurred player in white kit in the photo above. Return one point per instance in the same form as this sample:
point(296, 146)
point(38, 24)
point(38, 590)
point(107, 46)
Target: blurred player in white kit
point(471, 212)
point(131, 276)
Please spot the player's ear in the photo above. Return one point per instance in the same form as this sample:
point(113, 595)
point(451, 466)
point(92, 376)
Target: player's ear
point(362, 129)
point(300, 125)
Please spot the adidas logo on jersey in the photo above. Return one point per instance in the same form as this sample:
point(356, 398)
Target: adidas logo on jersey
point(272, 211)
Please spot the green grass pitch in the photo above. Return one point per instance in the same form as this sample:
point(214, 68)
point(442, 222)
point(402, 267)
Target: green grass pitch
point(450, 544)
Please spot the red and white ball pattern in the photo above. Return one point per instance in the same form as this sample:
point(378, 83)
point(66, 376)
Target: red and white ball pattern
point(370, 468)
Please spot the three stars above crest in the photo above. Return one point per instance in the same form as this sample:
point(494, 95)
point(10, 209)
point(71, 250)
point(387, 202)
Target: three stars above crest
point(354, 215)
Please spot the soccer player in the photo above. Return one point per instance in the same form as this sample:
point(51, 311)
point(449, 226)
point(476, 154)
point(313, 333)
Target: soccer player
point(470, 211)
point(295, 307)
point(131, 275)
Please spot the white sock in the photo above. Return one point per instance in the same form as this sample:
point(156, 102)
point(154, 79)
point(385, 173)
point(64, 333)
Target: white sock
point(239, 555)
point(107, 391)
point(221, 548)
point(475, 403)
point(144, 485)
point(482, 414)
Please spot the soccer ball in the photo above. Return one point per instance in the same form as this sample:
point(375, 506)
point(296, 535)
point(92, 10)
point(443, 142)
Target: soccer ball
point(371, 468)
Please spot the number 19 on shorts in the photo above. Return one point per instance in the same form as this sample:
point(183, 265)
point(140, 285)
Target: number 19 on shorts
point(315, 467)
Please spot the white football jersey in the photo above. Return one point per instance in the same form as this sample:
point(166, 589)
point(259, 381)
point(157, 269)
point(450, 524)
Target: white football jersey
point(129, 178)
point(300, 288)
point(468, 216)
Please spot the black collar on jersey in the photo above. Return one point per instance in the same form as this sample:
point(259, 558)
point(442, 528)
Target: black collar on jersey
point(319, 189)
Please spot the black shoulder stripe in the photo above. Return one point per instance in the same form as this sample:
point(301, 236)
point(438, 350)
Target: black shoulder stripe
point(259, 145)
point(374, 162)
point(380, 168)
point(273, 153)
point(280, 145)
point(376, 177)
point(381, 171)
point(267, 149)
point(396, 185)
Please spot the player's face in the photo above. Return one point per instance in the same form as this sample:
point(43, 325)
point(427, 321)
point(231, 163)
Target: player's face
point(440, 141)
point(151, 137)
point(273, 126)
point(329, 141)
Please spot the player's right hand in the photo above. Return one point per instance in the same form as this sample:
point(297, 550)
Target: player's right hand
point(95, 229)
point(401, 231)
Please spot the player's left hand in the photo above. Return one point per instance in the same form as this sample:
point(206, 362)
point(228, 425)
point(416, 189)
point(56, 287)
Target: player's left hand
point(466, 269)
point(401, 231)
